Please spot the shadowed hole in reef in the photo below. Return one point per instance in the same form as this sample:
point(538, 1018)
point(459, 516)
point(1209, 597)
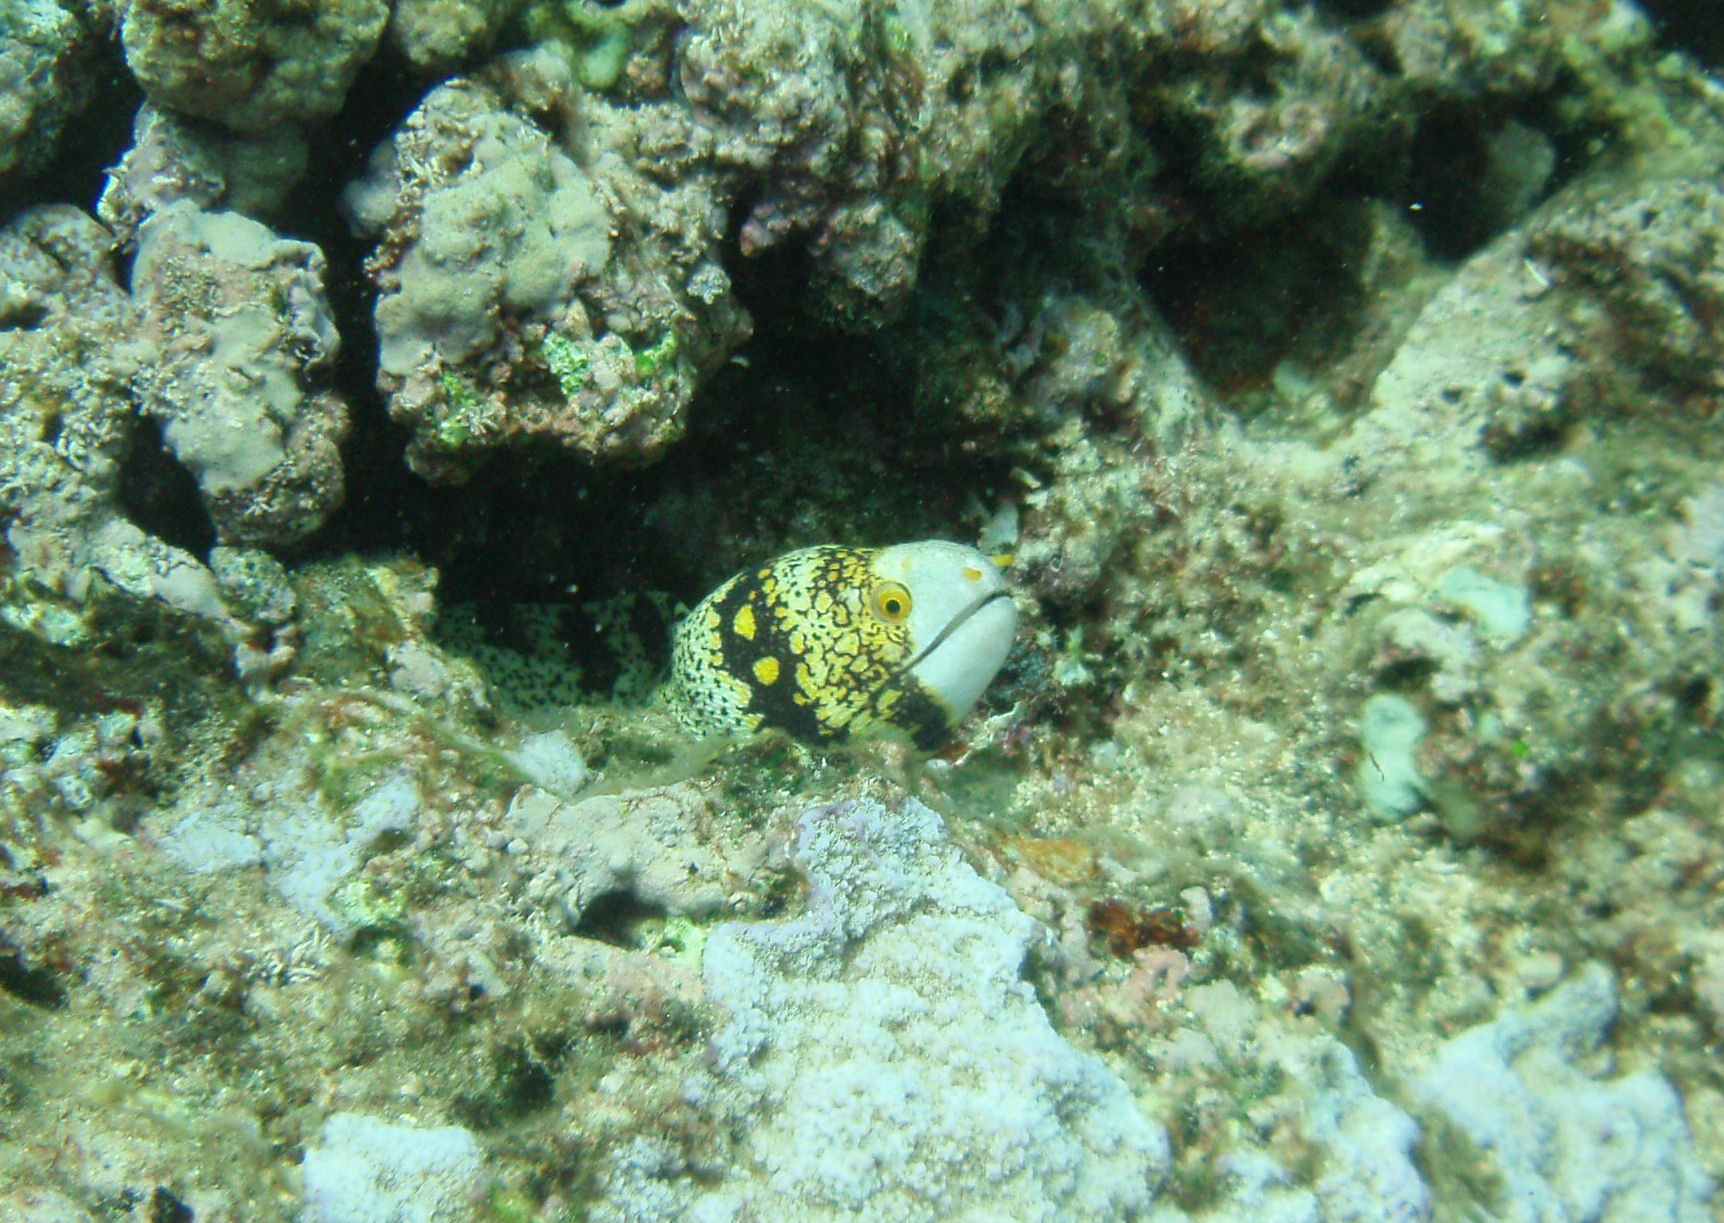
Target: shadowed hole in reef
point(93, 139)
point(1476, 171)
point(1405, 675)
point(1245, 301)
point(36, 986)
point(620, 919)
point(1353, 10)
point(568, 574)
point(160, 496)
point(166, 1208)
point(520, 1084)
point(1694, 26)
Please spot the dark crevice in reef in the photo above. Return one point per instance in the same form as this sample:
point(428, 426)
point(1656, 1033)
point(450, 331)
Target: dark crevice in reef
point(1694, 26)
point(518, 1084)
point(816, 439)
point(616, 918)
point(382, 96)
point(1446, 161)
point(1243, 302)
point(547, 532)
point(35, 986)
point(160, 496)
point(1476, 171)
point(381, 491)
point(92, 140)
point(166, 1208)
point(1353, 10)
point(808, 436)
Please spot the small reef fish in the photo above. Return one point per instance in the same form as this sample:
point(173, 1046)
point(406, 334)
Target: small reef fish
point(834, 643)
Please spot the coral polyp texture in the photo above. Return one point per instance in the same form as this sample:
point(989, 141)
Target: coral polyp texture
point(248, 67)
point(526, 297)
point(446, 774)
point(987, 1112)
point(240, 385)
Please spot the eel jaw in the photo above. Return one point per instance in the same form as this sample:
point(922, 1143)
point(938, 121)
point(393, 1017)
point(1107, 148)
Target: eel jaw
point(963, 658)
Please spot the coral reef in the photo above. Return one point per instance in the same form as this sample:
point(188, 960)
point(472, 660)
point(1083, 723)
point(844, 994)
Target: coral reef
point(1518, 409)
point(439, 35)
point(69, 425)
point(1644, 276)
point(1565, 1144)
point(871, 132)
point(248, 68)
point(242, 341)
point(583, 308)
point(172, 158)
point(979, 1107)
point(1339, 840)
point(667, 850)
point(365, 1170)
point(44, 49)
point(225, 310)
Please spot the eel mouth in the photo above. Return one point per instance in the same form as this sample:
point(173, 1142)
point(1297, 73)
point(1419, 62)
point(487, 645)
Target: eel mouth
point(954, 624)
point(961, 661)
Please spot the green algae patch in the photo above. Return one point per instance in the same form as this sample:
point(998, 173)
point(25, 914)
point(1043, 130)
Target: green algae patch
point(567, 363)
point(656, 356)
point(597, 41)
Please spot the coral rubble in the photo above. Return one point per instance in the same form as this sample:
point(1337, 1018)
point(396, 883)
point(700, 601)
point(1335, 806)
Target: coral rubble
point(883, 1057)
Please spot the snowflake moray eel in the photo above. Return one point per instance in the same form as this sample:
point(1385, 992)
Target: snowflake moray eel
point(833, 643)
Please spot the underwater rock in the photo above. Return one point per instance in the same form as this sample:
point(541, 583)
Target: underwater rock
point(1074, 360)
point(43, 55)
point(661, 848)
point(174, 158)
point(1516, 539)
point(66, 427)
point(228, 343)
point(1653, 259)
point(881, 1056)
point(1605, 303)
point(1362, 1144)
point(72, 765)
point(307, 845)
point(239, 344)
point(366, 1170)
point(1535, 435)
point(1317, 98)
point(249, 67)
point(437, 35)
point(861, 131)
point(525, 296)
point(1460, 50)
point(853, 128)
point(256, 585)
point(1567, 1144)
point(64, 416)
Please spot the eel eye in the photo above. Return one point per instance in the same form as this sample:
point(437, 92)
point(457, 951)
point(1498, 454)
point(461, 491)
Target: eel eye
point(892, 602)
